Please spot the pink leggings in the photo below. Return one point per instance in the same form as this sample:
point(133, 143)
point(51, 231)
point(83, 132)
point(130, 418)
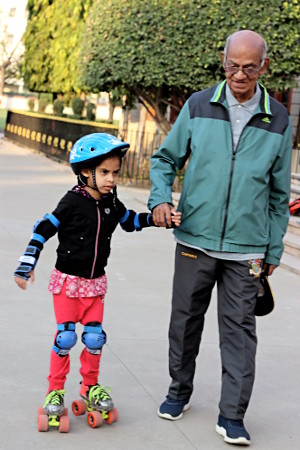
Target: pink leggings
point(82, 310)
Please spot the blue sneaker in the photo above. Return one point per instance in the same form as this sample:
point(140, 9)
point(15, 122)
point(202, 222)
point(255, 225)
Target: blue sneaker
point(172, 409)
point(233, 431)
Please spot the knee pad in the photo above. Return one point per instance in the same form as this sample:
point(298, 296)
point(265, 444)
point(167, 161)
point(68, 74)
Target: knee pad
point(65, 339)
point(93, 338)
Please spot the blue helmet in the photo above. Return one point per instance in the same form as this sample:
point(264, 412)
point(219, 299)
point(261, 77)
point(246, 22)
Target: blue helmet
point(89, 150)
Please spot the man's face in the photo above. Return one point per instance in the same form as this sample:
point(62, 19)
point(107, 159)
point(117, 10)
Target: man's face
point(240, 55)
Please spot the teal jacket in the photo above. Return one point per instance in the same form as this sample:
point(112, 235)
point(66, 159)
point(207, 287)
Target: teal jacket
point(230, 201)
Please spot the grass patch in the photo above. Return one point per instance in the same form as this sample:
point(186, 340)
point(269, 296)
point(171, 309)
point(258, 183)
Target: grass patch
point(3, 113)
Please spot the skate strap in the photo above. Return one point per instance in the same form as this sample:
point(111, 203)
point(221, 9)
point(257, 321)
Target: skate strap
point(66, 326)
point(90, 329)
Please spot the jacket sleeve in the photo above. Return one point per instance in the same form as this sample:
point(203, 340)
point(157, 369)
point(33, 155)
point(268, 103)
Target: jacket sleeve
point(131, 220)
point(279, 199)
point(171, 156)
point(43, 230)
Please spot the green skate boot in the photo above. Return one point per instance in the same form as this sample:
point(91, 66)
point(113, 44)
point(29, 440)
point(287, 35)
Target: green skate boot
point(97, 397)
point(53, 413)
point(54, 403)
point(97, 403)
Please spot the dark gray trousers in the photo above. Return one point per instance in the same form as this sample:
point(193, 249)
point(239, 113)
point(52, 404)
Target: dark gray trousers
point(194, 278)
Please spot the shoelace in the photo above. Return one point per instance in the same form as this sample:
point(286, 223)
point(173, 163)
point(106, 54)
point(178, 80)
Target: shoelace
point(55, 397)
point(100, 392)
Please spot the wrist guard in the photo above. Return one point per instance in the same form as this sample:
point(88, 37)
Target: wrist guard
point(28, 262)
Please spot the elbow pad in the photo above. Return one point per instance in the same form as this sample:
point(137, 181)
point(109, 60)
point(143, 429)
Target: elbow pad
point(132, 221)
point(127, 221)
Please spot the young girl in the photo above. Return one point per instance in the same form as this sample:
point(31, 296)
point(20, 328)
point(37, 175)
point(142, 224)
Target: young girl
point(84, 219)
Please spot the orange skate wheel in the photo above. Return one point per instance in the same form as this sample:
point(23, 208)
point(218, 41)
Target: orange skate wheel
point(78, 407)
point(113, 416)
point(65, 412)
point(94, 419)
point(41, 411)
point(43, 422)
point(64, 424)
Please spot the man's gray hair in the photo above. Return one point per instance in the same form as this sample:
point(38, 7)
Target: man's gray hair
point(263, 50)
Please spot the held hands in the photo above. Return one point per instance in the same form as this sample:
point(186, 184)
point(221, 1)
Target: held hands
point(22, 282)
point(164, 215)
point(176, 218)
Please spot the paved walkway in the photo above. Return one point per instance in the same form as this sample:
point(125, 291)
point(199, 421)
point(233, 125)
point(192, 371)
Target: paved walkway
point(137, 312)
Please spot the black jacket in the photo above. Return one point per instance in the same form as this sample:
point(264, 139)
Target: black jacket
point(85, 226)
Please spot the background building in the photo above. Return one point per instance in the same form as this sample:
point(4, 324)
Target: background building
point(13, 18)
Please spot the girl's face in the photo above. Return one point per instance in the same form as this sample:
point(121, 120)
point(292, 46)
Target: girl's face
point(106, 176)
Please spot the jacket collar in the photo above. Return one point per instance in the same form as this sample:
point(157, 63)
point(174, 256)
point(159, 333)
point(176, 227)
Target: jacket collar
point(264, 104)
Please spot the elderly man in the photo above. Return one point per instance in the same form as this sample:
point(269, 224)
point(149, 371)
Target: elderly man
point(234, 205)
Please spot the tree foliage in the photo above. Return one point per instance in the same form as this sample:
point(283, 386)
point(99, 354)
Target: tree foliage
point(162, 50)
point(159, 51)
point(52, 44)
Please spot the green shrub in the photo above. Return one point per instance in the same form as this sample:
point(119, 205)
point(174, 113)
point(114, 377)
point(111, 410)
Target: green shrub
point(69, 97)
point(91, 111)
point(77, 106)
point(110, 122)
point(3, 114)
point(31, 103)
point(58, 107)
point(42, 105)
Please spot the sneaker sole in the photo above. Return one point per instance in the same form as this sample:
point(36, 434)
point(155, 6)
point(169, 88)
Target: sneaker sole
point(238, 441)
point(169, 417)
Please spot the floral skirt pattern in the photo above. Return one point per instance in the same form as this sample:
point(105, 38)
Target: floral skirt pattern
point(77, 286)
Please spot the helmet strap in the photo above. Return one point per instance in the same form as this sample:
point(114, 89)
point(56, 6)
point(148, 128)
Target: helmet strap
point(83, 183)
point(115, 197)
point(94, 180)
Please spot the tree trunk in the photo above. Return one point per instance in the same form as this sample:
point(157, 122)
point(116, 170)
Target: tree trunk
point(154, 110)
point(111, 112)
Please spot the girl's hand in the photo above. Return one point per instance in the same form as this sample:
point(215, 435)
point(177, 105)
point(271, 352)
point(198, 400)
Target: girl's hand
point(176, 217)
point(22, 283)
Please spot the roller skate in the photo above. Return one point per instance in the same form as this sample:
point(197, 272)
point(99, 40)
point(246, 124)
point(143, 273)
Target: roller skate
point(54, 413)
point(98, 404)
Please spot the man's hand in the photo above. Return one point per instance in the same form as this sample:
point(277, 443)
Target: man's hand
point(22, 283)
point(162, 215)
point(268, 269)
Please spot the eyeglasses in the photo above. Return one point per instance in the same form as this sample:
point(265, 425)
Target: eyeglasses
point(247, 70)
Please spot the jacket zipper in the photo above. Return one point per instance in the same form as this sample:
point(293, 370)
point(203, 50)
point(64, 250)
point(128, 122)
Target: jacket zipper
point(230, 183)
point(97, 239)
point(228, 198)
point(230, 178)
